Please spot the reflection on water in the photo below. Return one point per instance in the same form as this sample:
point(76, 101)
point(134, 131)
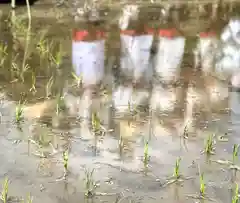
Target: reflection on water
point(191, 79)
point(167, 78)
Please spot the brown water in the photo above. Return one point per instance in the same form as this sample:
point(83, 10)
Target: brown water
point(119, 170)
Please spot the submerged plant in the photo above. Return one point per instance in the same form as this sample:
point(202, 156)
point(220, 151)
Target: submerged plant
point(5, 188)
point(89, 183)
point(19, 112)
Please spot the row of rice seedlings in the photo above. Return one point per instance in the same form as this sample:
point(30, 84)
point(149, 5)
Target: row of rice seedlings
point(44, 48)
point(89, 184)
point(5, 193)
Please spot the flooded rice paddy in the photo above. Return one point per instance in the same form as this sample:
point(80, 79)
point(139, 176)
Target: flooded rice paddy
point(161, 126)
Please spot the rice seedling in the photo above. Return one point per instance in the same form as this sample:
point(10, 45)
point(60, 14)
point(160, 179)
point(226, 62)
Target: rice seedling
point(96, 124)
point(176, 176)
point(202, 188)
point(146, 156)
point(29, 199)
point(44, 49)
point(235, 196)
point(19, 112)
point(89, 183)
point(60, 104)
point(20, 72)
point(77, 79)
point(65, 162)
point(3, 53)
point(33, 86)
point(5, 189)
point(209, 145)
point(231, 163)
point(27, 50)
point(57, 59)
point(176, 173)
point(48, 87)
point(235, 153)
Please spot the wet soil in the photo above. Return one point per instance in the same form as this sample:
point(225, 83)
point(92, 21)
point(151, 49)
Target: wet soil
point(32, 151)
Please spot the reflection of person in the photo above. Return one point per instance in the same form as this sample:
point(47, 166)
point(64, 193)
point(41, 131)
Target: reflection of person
point(209, 94)
point(135, 68)
point(229, 65)
point(167, 62)
point(167, 100)
point(88, 55)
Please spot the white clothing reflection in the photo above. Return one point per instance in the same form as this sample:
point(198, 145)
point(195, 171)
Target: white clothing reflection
point(136, 67)
point(126, 99)
point(170, 51)
point(229, 65)
point(167, 66)
point(88, 55)
point(88, 58)
point(135, 55)
point(208, 47)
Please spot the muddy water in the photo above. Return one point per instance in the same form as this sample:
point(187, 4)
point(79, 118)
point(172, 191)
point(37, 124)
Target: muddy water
point(31, 152)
